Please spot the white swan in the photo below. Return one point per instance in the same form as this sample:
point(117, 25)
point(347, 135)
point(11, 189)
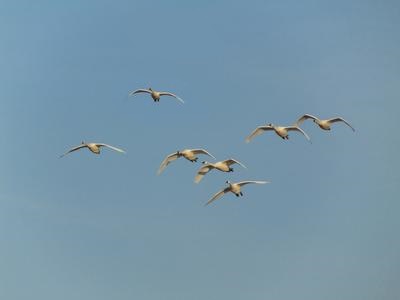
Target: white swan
point(94, 147)
point(155, 94)
point(279, 130)
point(323, 124)
point(189, 154)
point(223, 166)
point(234, 188)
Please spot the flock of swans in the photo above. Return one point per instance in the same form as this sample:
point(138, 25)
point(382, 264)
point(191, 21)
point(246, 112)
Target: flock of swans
point(225, 165)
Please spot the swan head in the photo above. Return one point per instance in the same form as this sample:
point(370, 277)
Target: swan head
point(150, 89)
point(228, 182)
point(270, 124)
point(204, 162)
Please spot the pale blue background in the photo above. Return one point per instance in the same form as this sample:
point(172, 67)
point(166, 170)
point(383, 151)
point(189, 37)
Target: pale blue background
point(106, 227)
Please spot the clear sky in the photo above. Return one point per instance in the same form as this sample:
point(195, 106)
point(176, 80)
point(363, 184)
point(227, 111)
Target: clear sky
point(107, 227)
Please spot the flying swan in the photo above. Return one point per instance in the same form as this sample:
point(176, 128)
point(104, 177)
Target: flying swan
point(155, 94)
point(233, 188)
point(323, 124)
point(279, 130)
point(224, 166)
point(189, 154)
point(94, 147)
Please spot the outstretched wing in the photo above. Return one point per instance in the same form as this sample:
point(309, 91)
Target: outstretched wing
point(232, 161)
point(296, 128)
point(259, 130)
point(139, 91)
point(218, 195)
point(74, 149)
point(252, 181)
point(334, 120)
point(202, 151)
point(166, 161)
point(111, 147)
point(305, 117)
point(201, 172)
point(172, 95)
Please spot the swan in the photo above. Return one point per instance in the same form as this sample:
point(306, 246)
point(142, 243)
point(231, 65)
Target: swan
point(189, 154)
point(223, 166)
point(323, 124)
point(234, 188)
point(94, 147)
point(155, 94)
point(279, 130)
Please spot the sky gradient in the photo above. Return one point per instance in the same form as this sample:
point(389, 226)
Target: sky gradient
point(107, 227)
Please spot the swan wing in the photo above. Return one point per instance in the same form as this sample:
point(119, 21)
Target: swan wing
point(111, 147)
point(218, 195)
point(296, 128)
point(339, 119)
point(166, 161)
point(201, 172)
point(74, 149)
point(202, 151)
point(139, 91)
point(232, 161)
point(251, 181)
point(303, 118)
point(172, 95)
point(259, 130)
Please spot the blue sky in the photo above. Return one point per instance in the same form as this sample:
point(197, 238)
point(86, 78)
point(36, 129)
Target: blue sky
point(106, 227)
